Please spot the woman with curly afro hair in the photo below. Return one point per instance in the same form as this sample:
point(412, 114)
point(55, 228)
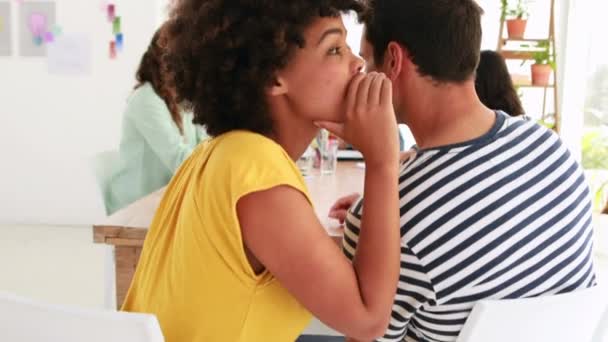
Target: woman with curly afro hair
point(235, 251)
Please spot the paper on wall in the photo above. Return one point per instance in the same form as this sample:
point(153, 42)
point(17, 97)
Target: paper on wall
point(5, 29)
point(70, 54)
point(35, 19)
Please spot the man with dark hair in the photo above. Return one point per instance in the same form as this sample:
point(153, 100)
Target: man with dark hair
point(492, 207)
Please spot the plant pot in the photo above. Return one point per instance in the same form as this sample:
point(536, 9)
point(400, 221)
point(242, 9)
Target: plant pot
point(540, 74)
point(516, 28)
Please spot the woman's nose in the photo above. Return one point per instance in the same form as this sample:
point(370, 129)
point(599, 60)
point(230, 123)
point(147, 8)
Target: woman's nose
point(358, 63)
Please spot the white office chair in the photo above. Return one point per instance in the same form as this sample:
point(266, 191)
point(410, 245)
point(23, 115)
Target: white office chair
point(567, 317)
point(601, 331)
point(23, 320)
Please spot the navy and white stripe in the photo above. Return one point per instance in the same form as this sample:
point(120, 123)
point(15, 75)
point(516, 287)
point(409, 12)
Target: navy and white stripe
point(507, 215)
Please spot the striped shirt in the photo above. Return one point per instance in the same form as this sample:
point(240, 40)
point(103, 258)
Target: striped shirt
point(507, 215)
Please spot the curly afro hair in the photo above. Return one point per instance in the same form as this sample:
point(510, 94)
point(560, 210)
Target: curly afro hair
point(225, 53)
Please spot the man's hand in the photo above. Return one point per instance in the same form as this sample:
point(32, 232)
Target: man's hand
point(405, 155)
point(340, 208)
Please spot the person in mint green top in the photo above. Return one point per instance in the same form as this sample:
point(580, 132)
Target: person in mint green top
point(157, 135)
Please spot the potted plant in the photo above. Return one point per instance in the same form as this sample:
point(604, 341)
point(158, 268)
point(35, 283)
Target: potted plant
point(516, 18)
point(544, 63)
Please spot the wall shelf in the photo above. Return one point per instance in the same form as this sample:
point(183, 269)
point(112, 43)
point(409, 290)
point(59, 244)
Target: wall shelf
point(525, 52)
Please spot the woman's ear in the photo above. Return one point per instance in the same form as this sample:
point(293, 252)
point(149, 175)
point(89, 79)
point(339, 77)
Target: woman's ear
point(278, 87)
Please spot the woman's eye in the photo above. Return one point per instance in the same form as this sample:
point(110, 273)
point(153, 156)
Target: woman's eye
point(335, 51)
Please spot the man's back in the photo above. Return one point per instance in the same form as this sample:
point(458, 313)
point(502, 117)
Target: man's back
point(507, 215)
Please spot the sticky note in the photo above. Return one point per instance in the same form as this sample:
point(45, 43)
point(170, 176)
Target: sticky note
point(116, 26)
point(48, 37)
point(57, 31)
point(1, 24)
point(70, 55)
point(119, 41)
point(111, 12)
point(112, 50)
point(37, 24)
point(38, 40)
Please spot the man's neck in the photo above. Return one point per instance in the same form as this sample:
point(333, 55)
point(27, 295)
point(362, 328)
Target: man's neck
point(447, 114)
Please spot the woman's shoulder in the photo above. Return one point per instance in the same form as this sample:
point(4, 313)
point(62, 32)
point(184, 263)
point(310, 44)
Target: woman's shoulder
point(244, 142)
point(250, 162)
point(145, 95)
point(143, 100)
point(253, 151)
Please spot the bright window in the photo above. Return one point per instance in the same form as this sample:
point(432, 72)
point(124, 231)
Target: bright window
point(595, 132)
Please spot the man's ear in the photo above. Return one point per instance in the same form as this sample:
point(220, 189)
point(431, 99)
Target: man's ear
point(393, 60)
point(278, 87)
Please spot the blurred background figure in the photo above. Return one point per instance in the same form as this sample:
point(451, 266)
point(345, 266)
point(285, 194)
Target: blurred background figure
point(157, 136)
point(494, 85)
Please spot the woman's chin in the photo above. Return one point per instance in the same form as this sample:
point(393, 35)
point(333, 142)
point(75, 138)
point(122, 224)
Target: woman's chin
point(337, 118)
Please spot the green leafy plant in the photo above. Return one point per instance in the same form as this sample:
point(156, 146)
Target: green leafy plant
point(595, 149)
point(599, 199)
point(595, 163)
point(544, 54)
point(503, 9)
point(547, 121)
point(598, 184)
point(518, 11)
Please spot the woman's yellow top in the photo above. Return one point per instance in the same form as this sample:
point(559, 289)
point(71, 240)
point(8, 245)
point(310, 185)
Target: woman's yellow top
point(193, 273)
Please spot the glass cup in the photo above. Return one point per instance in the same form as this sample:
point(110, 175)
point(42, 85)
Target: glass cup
point(304, 163)
point(329, 156)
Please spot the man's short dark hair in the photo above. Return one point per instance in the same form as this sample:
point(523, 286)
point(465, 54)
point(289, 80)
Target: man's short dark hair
point(443, 37)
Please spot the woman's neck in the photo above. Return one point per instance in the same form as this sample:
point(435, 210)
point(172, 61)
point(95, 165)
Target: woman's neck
point(294, 132)
point(294, 137)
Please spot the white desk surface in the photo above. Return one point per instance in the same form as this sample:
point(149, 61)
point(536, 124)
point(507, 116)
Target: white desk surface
point(324, 190)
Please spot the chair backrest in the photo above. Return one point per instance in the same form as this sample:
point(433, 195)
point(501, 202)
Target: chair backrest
point(560, 318)
point(601, 331)
point(105, 165)
point(23, 320)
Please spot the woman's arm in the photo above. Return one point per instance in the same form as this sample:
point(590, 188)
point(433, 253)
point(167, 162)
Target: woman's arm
point(281, 230)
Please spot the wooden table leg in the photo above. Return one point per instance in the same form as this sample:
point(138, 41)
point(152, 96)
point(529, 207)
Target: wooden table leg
point(126, 262)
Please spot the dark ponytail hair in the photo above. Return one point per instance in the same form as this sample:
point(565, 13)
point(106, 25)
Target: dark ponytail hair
point(494, 85)
point(154, 70)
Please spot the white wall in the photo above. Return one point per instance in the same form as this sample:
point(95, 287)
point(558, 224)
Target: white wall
point(52, 125)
